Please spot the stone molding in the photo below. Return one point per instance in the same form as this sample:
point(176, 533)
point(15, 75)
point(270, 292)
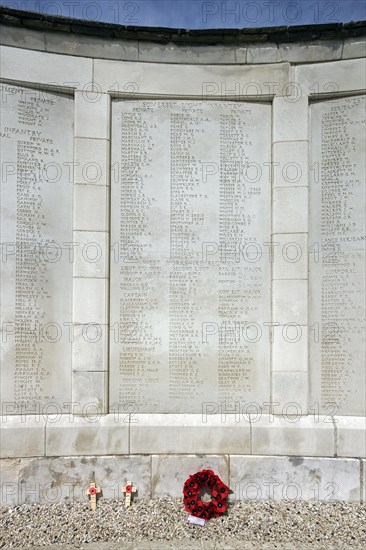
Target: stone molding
point(120, 433)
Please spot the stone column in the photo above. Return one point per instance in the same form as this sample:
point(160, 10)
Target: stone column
point(91, 266)
point(290, 265)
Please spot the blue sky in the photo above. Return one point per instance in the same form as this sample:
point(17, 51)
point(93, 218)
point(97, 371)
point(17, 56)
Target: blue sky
point(201, 14)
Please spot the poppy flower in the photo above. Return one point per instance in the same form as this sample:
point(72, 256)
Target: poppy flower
point(219, 506)
point(92, 491)
point(220, 490)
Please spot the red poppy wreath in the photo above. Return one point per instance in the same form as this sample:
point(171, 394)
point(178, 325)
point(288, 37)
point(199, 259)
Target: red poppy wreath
point(192, 489)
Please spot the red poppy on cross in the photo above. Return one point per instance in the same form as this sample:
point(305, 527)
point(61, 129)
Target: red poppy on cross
point(92, 493)
point(128, 489)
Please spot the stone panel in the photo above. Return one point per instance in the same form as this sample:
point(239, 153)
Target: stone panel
point(280, 478)
point(337, 256)
point(36, 225)
point(170, 472)
point(190, 433)
point(183, 296)
point(66, 479)
point(291, 434)
point(88, 434)
point(9, 476)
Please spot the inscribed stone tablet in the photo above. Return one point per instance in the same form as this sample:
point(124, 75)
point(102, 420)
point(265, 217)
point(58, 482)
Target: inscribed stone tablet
point(337, 256)
point(190, 276)
point(36, 236)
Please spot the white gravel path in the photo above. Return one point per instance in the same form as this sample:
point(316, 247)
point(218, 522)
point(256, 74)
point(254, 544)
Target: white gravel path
point(162, 524)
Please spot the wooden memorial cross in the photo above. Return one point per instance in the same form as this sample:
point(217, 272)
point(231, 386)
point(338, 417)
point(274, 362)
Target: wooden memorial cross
point(92, 492)
point(129, 489)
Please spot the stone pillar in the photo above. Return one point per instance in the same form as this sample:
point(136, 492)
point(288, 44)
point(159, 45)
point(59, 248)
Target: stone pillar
point(290, 245)
point(91, 266)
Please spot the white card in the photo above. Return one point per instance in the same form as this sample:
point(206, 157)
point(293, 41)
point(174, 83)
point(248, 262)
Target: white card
point(196, 521)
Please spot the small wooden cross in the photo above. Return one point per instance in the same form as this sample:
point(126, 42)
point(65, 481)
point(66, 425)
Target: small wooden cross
point(92, 492)
point(129, 489)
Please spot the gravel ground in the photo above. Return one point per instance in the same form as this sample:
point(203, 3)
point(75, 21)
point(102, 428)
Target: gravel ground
point(252, 524)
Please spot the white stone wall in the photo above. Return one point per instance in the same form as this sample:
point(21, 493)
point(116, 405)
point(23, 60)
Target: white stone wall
point(157, 450)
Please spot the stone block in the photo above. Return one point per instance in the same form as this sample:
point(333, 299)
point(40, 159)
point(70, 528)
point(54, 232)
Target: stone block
point(170, 472)
point(206, 81)
point(22, 436)
point(90, 207)
point(290, 118)
point(351, 436)
point(290, 304)
point(189, 434)
point(45, 68)
point(91, 46)
point(66, 479)
point(90, 301)
point(354, 47)
point(290, 256)
point(91, 157)
point(279, 478)
point(325, 78)
point(290, 388)
point(91, 254)
point(317, 50)
point(92, 114)
point(175, 53)
point(290, 210)
point(266, 53)
point(9, 480)
point(290, 160)
point(292, 434)
point(89, 391)
point(290, 349)
point(69, 435)
point(90, 347)
point(19, 37)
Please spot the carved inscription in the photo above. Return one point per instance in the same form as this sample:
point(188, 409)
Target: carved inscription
point(36, 236)
point(190, 276)
point(337, 255)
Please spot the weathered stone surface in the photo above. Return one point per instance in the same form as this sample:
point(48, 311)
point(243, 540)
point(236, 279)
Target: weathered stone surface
point(9, 477)
point(90, 347)
point(168, 473)
point(279, 478)
point(87, 434)
point(66, 479)
point(315, 51)
point(172, 53)
point(89, 389)
point(45, 68)
point(190, 433)
point(354, 47)
point(292, 434)
point(258, 53)
point(90, 46)
point(351, 436)
point(22, 436)
point(290, 387)
point(22, 38)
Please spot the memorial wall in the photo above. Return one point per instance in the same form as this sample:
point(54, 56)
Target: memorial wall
point(182, 259)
